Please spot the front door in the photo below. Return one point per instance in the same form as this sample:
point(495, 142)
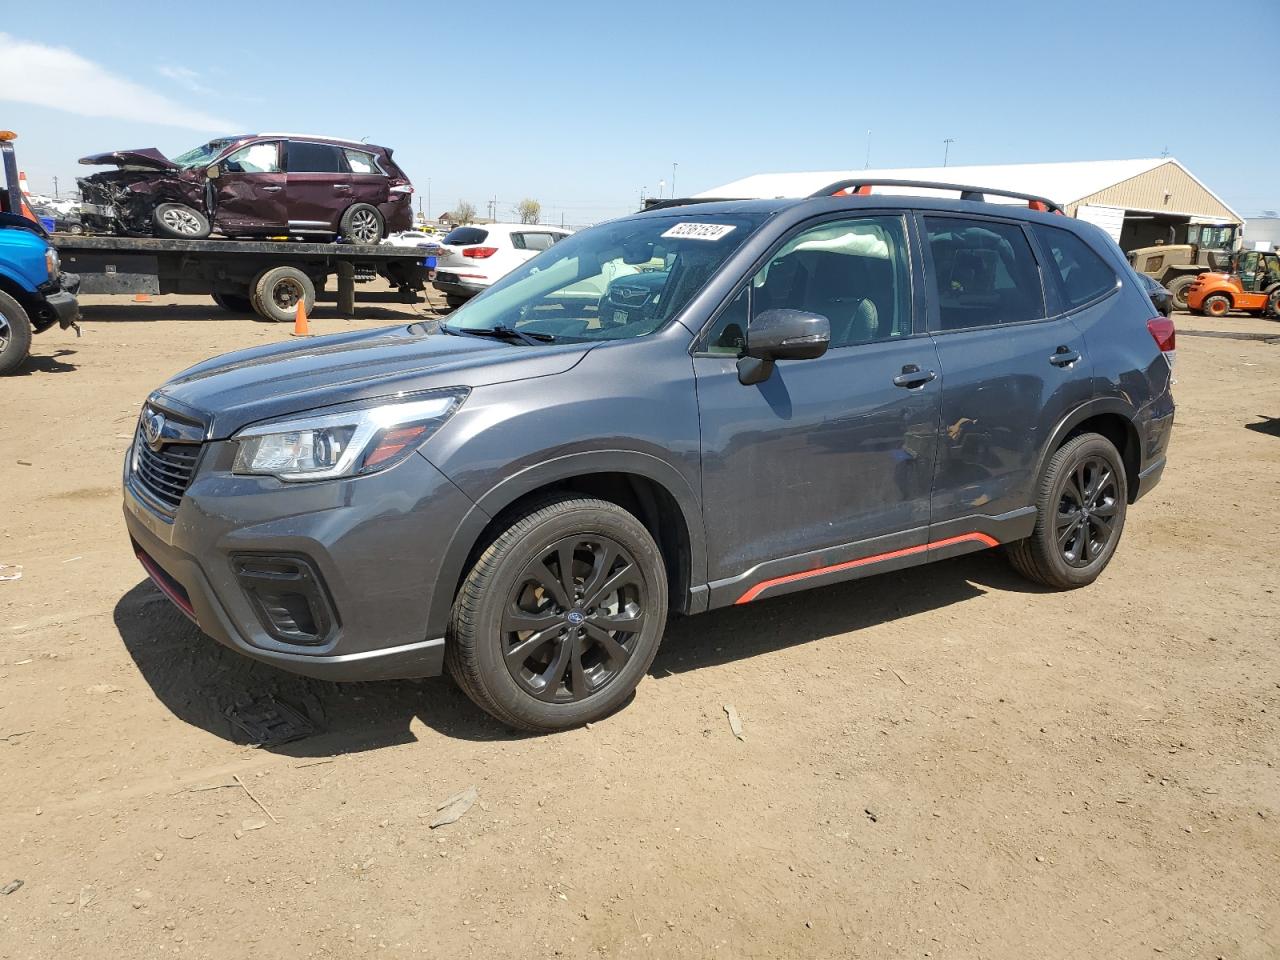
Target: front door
point(828, 462)
point(248, 194)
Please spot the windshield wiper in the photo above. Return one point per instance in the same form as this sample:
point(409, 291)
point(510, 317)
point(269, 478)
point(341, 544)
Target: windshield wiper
point(504, 332)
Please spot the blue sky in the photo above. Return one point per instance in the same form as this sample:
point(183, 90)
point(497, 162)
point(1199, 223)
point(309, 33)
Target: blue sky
point(583, 105)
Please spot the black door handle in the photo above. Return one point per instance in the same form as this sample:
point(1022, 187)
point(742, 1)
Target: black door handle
point(912, 376)
point(1064, 357)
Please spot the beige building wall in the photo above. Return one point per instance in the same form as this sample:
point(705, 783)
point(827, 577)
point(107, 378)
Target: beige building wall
point(1166, 189)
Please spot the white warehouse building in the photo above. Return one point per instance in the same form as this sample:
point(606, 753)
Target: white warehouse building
point(1138, 202)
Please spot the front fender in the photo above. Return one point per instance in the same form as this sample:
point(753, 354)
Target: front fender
point(548, 474)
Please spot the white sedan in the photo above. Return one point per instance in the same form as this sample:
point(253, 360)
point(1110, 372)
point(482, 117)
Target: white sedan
point(473, 257)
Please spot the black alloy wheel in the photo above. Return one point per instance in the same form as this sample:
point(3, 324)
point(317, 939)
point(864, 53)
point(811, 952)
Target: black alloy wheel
point(1087, 511)
point(1081, 501)
point(571, 623)
point(560, 615)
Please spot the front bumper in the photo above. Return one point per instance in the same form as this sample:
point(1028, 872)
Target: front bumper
point(376, 543)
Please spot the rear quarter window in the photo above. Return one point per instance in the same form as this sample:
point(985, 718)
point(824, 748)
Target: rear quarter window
point(1081, 274)
point(465, 236)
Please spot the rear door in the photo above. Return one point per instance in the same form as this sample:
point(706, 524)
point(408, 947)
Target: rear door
point(249, 192)
point(368, 183)
point(1013, 366)
point(319, 186)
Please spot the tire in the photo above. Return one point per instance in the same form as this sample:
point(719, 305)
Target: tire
point(15, 334)
point(234, 302)
point(1081, 464)
point(362, 224)
point(1273, 304)
point(177, 221)
point(591, 677)
point(76, 230)
point(1177, 288)
point(277, 291)
point(454, 301)
point(1216, 305)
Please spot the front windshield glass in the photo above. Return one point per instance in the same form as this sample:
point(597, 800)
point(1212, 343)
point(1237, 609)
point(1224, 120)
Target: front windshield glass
point(615, 281)
point(198, 156)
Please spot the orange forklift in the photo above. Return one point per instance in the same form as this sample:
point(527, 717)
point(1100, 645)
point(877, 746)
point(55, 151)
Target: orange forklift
point(1252, 286)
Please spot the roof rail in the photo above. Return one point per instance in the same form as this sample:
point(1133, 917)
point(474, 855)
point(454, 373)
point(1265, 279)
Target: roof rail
point(862, 187)
point(651, 204)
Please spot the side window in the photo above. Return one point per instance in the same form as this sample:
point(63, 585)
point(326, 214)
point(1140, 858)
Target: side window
point(532, 241)
point(1082, 275)
point(984, 272)
point(360, 162)
point(307, 157)
point(255, 158)
point(728, 335)
point(853, 272)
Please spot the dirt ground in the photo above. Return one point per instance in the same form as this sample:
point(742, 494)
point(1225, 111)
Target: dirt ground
point(943, 762)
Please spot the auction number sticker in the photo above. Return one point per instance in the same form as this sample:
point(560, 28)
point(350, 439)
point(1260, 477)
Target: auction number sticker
point(700, 231)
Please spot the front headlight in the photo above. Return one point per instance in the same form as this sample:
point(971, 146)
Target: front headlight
point(356, 442)
point(51, 262)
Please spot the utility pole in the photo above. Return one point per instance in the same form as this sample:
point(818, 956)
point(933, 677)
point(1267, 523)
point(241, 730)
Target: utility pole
point(946, 150)
point(867, 165)
point(55, 182)
point(662, 185)
point(428, 198)
point(673, 179)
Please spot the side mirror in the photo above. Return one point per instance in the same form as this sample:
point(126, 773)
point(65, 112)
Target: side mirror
point(214, 172)
point(782, 335)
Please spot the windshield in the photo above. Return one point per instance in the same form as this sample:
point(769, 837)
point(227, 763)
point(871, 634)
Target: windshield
point(198, 156)
point(615, 281)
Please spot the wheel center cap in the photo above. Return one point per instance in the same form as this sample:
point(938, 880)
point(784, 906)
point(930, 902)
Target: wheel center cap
point(575, 617)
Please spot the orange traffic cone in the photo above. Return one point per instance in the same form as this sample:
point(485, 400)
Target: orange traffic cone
point(142, 298)
point(300, 328)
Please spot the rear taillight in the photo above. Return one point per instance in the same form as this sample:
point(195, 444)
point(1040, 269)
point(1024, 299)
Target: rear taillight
point(479, 253)
point(1161, 330)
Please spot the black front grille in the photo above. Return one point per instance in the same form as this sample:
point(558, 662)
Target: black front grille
point(166, 473)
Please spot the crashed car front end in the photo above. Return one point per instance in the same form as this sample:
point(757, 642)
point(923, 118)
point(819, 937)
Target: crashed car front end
point(122, 201)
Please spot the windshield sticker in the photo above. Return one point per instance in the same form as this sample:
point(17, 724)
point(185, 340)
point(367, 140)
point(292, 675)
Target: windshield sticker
point(700, 231)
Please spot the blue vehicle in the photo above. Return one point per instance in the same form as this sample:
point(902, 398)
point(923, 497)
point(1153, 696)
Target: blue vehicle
point(34, 292)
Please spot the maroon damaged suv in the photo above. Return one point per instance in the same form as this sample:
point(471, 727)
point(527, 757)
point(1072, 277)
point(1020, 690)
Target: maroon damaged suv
point(265, 184)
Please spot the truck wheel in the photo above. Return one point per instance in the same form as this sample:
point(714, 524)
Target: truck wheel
point(1177, 288)
point(362, 224)
point(277, 292)
point(15, 334)
point(1216, 305)
point(177, 221)
point(560, 617)
point(234, 302)
point(1080, 510)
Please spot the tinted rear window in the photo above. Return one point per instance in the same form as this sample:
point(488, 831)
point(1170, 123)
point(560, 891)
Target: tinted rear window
point(314, 158)
point(985, 273)
point(465, 236)
point(1081, 273)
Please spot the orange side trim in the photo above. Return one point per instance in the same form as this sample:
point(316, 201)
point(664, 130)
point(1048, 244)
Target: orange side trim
point(759, 588)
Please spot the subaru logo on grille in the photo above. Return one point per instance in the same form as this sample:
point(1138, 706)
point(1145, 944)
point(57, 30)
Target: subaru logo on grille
point(152, 427)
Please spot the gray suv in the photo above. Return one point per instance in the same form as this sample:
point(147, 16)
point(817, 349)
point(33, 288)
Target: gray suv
point(699, 405)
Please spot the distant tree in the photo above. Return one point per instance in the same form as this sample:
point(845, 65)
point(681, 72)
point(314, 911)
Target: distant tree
point(464, 212)
point(530, 210)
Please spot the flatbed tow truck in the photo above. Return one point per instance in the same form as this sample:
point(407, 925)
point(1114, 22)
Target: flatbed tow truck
point(266, 277)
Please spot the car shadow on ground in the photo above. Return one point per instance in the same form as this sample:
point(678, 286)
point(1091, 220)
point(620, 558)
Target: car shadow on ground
point(201, 682)
point(1268, 425)
point(46, 363)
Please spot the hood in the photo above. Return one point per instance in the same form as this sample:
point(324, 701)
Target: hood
point(232, 391)
point(148, 158)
